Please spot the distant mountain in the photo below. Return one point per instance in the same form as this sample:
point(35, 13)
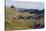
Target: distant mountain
point(20, 9)
point(34, 11)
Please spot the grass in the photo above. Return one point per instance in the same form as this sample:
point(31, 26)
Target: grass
point(12, 24)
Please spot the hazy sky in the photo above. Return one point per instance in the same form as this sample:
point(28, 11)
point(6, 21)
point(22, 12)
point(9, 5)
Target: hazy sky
point(25, 4)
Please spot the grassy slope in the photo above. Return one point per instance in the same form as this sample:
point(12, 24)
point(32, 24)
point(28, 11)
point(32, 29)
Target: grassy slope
point(13, 24)
point(18, 24)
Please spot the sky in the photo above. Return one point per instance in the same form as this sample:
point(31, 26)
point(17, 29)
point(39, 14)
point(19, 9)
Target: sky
point(25, 4)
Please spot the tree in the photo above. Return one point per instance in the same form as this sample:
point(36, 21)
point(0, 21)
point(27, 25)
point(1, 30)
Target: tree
point(12, 6)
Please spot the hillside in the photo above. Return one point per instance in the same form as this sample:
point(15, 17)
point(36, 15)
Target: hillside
point(13, 24)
